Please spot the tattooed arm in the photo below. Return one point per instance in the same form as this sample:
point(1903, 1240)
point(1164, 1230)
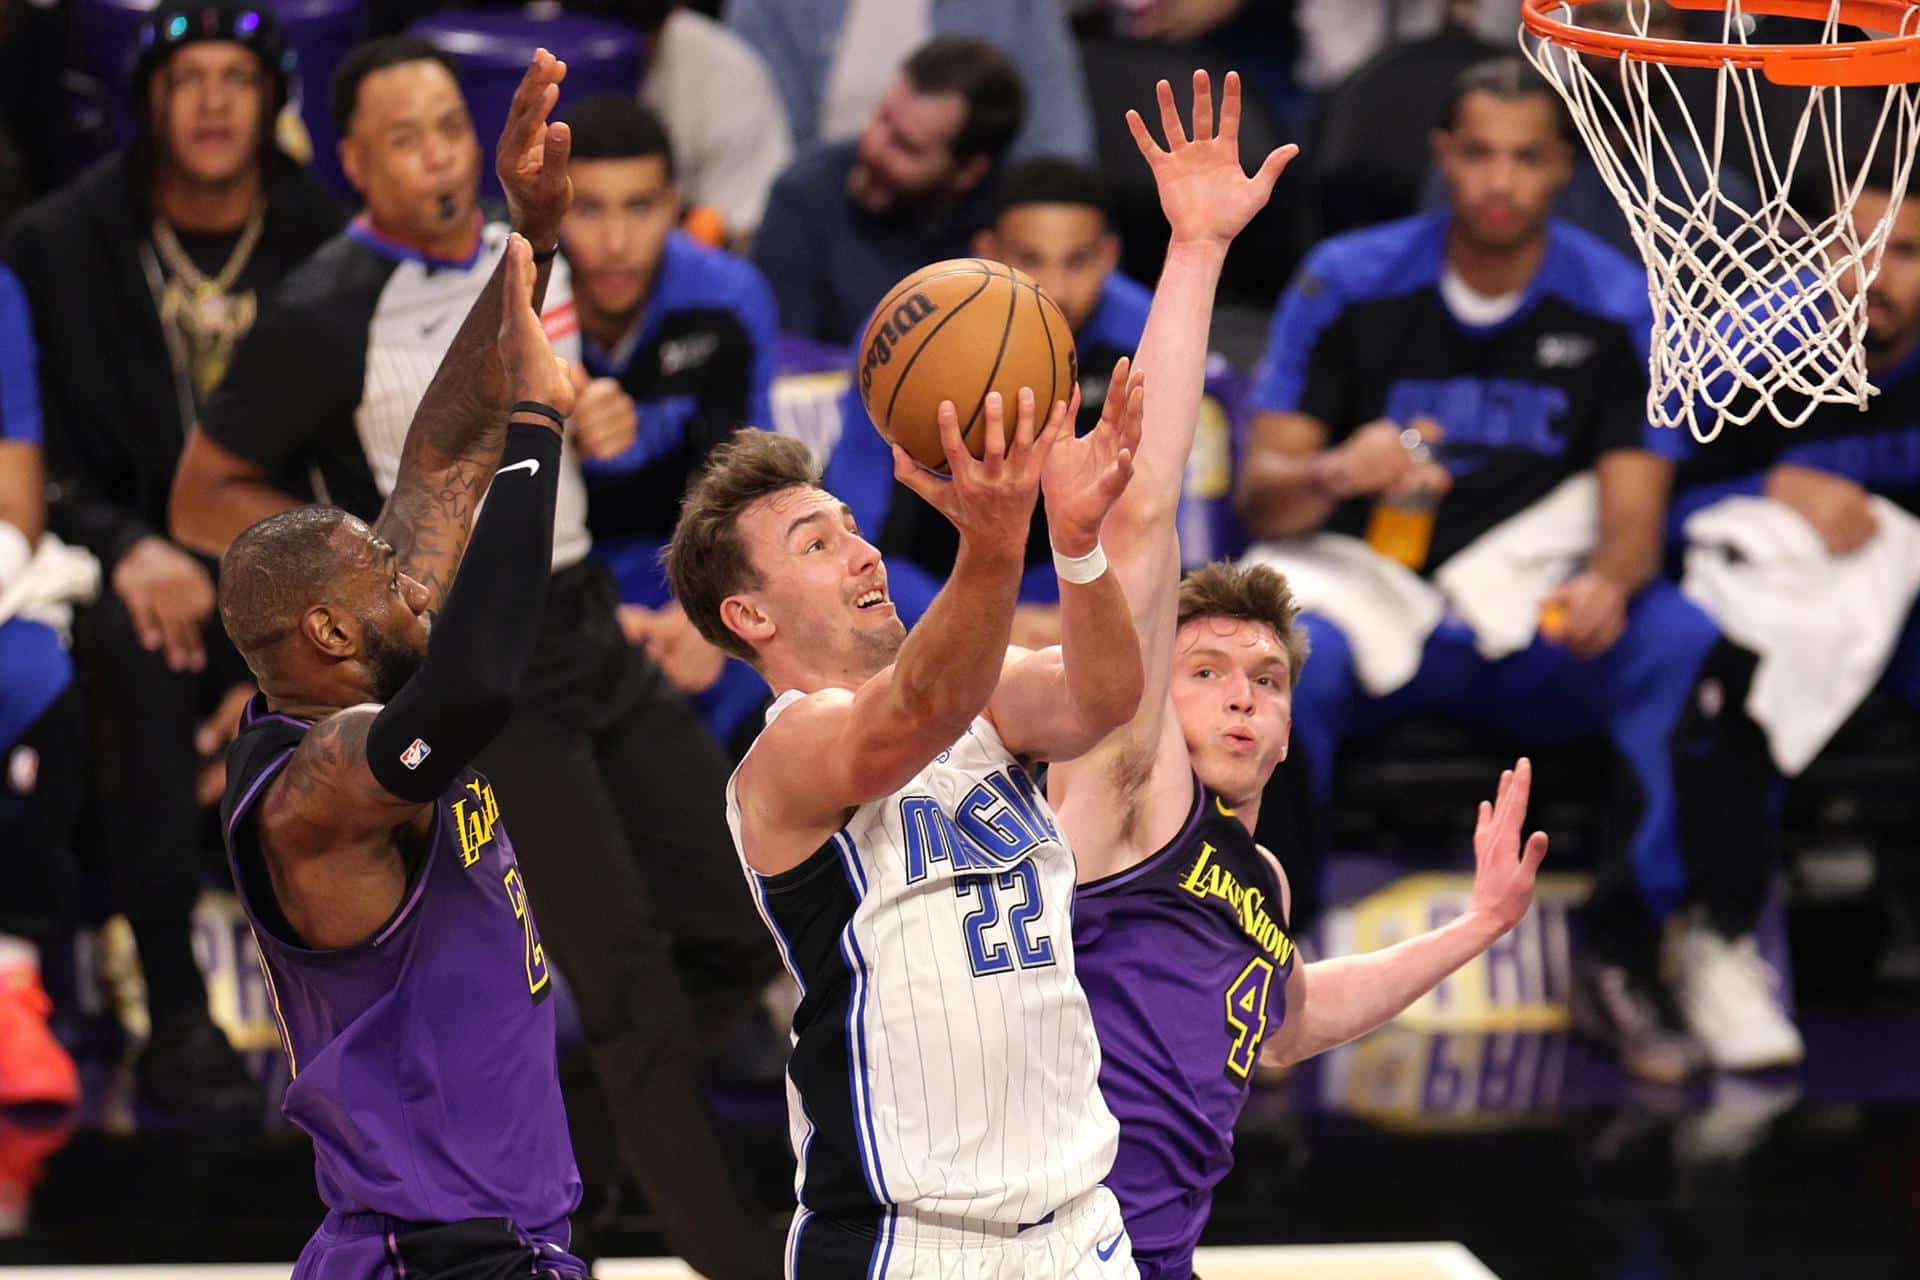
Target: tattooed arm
point(328, 822)
point(454, 441)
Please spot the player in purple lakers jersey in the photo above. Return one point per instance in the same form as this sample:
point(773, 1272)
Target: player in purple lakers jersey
point(1181, 920)
point(399, 948)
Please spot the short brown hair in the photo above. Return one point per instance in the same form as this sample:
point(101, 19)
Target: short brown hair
point(985, 78)
point(706, 559)
point(1253, 593)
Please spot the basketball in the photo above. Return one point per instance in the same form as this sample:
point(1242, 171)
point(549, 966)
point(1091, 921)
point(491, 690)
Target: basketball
point(958, 330)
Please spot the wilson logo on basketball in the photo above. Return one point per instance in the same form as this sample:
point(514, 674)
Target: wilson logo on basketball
point(905, 316)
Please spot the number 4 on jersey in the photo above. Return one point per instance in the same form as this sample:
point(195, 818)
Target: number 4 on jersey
point(1247, 1015)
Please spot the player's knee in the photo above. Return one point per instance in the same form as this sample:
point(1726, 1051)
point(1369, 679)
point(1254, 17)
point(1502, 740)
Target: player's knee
point(1667, 640)
point(34, 670)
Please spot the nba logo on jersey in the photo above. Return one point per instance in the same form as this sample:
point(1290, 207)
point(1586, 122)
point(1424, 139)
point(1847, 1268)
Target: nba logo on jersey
point(415, 753)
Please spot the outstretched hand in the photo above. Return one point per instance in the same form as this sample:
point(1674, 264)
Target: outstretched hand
point(1503, 873)
point(1205, 194)
point(533, 371)
point(1085, 476)
point(531, 160)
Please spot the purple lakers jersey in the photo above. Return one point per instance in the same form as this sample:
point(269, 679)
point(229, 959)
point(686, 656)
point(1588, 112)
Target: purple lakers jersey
point(423, 1059)
point(1185, 960)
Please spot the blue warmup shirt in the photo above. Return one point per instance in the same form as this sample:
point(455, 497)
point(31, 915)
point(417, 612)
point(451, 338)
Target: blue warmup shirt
point(19, 390)
point(1878, 448)
point(698, 364)
point(1363, 333)
point(34, 666)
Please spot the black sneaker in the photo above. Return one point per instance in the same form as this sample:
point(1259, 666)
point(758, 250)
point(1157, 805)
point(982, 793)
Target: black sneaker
point(189, 1067)
point(1628, 1015)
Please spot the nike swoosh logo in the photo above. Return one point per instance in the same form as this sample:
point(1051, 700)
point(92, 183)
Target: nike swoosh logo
point(530, 465)
point(1106, 1250)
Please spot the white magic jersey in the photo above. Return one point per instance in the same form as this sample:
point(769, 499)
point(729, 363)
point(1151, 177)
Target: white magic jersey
point(944, 1058)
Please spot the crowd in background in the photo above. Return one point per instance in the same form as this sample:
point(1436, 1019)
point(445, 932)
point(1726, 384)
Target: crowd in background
point(1436, 335)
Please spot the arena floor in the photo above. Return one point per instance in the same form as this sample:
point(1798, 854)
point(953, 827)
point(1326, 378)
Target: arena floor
point(1527, 1147)
point(1320, 1262)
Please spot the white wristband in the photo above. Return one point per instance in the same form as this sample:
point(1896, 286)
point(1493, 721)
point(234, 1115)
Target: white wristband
point(1081, 569)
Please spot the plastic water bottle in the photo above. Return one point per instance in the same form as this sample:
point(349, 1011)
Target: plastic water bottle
point(1401, 527)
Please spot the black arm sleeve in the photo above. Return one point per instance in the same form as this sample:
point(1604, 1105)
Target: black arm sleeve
point(464, 691)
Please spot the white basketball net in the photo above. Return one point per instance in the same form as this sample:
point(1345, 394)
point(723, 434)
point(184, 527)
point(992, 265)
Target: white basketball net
point(1748, 303)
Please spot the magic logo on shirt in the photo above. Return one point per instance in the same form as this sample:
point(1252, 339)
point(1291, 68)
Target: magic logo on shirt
point(1488, 413)
point(1208, 878)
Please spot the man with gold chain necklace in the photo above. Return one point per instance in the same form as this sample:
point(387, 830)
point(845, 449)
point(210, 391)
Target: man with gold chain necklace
point(142, 274)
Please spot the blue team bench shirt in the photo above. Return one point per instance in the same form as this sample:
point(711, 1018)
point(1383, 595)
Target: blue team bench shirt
point(1364, 333)
point(919, 543)
point(698, 364)
point(19, 389)
point(34, 666)
point(1878, 448)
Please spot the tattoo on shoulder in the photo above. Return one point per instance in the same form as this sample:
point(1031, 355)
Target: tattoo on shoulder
point(335, 744)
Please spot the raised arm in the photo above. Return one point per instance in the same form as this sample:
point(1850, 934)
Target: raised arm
point(1337, 1000)
point(1060, 702)
point(454, 441)
point(326, 821)
point(837, 749)
point(1207, 198)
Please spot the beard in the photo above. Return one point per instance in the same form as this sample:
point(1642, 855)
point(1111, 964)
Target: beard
point(880, 648)
point(1887, 337)
point(391, 664)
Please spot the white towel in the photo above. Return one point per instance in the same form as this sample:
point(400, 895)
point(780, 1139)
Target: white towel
point(53, 581)
point(1385, 610)
point(1823, 626)
point(1495, 583)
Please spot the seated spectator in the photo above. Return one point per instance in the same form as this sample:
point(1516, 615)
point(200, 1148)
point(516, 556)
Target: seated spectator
point(832, 61)
point(41, 744)
point(1437, 392)
point(1804, 545)
point(614, 787)
point(1588, 203)
point(677, 338)
point(850, 218)
point(142, 275)
point(1052, 223)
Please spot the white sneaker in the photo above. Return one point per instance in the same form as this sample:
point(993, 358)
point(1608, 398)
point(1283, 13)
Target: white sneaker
point(1730, 998)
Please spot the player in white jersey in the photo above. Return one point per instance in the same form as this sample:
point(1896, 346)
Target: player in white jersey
point(943, 1086)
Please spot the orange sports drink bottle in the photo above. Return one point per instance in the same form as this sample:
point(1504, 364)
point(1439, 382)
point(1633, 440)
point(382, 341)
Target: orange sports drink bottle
point(1401, 527)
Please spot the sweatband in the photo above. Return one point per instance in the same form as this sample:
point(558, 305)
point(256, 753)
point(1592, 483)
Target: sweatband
point(1080, 570)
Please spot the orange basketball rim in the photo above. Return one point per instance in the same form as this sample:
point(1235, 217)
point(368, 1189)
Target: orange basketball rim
point(1895, 60)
